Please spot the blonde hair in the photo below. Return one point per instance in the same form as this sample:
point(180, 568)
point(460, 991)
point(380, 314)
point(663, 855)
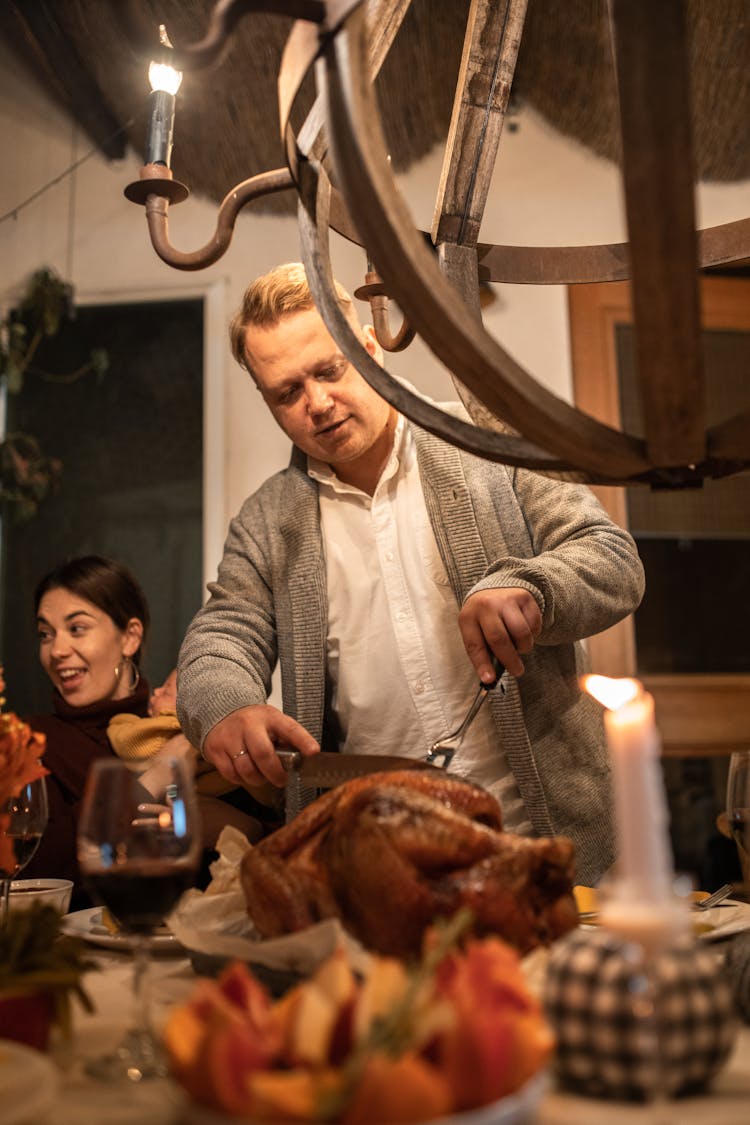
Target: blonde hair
point(272, 296)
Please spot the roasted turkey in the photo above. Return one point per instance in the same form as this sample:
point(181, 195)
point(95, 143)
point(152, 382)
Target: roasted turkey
point(391, 852)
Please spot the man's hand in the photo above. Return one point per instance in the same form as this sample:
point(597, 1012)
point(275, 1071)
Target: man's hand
point(243, 746)
point(504, 621)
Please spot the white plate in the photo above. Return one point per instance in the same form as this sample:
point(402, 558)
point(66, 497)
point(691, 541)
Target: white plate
point(88, 925)
point(29, 1083)
point(728, 919)
point(516, 1109)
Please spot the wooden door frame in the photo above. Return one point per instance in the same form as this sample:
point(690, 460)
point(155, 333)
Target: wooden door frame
point(697, 714)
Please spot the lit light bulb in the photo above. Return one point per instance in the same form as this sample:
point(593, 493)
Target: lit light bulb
point(164, 77)
point(165, 82)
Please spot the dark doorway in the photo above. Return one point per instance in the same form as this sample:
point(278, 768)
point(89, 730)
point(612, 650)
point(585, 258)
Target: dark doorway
point(131, 446)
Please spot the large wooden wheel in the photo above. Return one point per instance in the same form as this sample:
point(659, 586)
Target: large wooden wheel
point(517, 420)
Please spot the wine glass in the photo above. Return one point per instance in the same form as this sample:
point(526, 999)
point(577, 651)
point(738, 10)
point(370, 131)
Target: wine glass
point(137, 858)
point(22, 821)
point(738, 809)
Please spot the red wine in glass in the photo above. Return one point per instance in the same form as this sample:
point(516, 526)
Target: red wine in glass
point(138, 852)
point(140, 897)
point(23, 819)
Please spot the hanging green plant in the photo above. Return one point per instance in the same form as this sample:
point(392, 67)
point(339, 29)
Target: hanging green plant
point(27, 474)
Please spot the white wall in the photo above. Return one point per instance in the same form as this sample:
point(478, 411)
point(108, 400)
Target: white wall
point(547, 191)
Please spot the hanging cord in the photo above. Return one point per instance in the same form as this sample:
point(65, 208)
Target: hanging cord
point(13, 213)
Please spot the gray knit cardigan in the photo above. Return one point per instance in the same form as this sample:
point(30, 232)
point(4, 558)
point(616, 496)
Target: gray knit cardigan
point(495, 526)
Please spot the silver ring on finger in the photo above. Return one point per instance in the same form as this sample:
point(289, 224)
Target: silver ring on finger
point(240, 755)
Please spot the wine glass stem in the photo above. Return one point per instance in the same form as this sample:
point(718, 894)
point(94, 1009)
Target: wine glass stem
point(141, 991)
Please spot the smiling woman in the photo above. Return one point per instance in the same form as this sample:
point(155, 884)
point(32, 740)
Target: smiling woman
point(92, 618)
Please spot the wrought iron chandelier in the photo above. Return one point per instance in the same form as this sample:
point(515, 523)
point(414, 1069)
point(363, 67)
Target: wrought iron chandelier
point(435, 277)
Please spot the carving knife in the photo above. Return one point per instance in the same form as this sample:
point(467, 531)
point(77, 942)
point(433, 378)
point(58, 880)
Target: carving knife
point(325, 770)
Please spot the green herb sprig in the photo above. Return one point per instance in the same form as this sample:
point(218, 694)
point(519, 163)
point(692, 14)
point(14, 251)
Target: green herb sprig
point(393, 1033)
point(36, 957)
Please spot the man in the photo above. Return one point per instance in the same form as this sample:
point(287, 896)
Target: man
point(383, 568)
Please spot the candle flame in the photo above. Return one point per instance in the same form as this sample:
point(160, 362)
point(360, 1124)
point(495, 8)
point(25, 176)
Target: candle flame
point(164, 77)
point(610, 692)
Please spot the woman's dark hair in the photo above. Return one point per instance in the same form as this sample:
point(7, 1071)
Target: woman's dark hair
point(105, 583)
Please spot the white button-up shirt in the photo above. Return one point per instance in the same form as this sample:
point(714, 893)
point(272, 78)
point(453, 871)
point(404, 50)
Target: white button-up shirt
point(400, 673)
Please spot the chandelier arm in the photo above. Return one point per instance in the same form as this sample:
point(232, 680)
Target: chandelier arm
point(374, 293)
point(570, 265)
point(313, 208)
point(488, 62)
point(576, 265)
point(141, 31)
point(157, 212)
point(428, 300)
point(650, 49)
point(389, 341)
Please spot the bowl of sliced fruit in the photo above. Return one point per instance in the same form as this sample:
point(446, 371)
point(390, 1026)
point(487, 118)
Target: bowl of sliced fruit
point(457, 1038)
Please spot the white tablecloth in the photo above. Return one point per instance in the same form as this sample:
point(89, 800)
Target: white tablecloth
point(84, 1101)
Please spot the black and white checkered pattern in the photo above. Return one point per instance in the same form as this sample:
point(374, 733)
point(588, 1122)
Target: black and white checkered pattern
point(627, 1028)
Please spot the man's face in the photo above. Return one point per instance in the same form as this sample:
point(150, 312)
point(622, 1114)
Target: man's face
point(320, 401)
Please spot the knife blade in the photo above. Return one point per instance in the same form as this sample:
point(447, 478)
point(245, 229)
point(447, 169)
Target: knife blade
point(325, 769)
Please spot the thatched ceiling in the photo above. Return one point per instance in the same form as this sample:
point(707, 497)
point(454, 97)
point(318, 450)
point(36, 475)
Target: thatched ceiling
point(227, 119)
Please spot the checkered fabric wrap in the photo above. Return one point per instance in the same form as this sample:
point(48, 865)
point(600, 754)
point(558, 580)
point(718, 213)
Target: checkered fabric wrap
point(600, 1002)
point(738, 970)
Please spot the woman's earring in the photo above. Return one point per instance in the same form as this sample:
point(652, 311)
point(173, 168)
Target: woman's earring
point(135, 675)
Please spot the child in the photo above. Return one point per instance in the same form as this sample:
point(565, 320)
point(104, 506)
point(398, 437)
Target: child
point(136, 739)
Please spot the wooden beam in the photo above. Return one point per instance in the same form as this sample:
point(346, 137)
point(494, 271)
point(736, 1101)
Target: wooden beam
point(493, 35)
point(651, 61)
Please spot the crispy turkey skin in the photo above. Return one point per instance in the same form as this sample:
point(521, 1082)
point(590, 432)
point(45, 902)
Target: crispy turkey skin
point(391, 852)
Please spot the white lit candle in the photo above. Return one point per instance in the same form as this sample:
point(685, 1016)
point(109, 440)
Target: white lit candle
point(645, 866)
point(165, 82)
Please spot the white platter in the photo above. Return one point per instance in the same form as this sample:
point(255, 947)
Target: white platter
point(517, 1109)
point(88, 925)
point(29, 1084)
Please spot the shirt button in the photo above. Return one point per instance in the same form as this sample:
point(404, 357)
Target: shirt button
point(401, 615)
point(389, 556)
point(419, 689)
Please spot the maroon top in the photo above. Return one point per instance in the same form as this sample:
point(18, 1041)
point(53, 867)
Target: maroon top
point(76, 737)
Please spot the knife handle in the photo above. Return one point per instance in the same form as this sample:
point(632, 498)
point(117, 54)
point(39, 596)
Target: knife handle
point(290, 759)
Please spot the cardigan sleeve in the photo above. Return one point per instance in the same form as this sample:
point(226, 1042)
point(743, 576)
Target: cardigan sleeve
point(229, 651)
point(585, 571)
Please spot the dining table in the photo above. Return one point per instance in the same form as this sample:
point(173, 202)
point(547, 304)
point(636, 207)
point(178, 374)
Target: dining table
point(77, 1099)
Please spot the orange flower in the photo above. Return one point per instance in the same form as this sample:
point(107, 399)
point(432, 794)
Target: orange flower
point(20, 751)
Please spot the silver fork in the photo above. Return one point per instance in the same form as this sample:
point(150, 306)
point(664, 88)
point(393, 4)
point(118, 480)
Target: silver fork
point(715, 898)
point(446, 747)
